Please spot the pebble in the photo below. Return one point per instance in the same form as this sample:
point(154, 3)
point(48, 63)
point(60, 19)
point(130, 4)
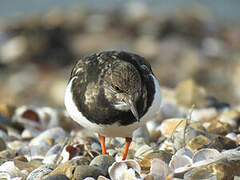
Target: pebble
point(57, 177)
point(103, 162)
point(84, 171)
point(2, 145)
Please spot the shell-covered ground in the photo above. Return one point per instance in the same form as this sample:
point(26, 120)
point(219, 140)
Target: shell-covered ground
point(195, 135)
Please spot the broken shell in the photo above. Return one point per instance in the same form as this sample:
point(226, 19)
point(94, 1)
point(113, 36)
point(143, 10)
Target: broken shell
point(159, 169)
point(184, 151)
point(52, 154)
point(54, 133)
point(27, 117)
point(179, 161)
point(11, 169)
point(30, 133)
point(169, 126)
point(143, 151)
point(145, 163)
point(205, 154)
point(5, 176)
point(128, 169)
point(39, 173)
point(102, 178)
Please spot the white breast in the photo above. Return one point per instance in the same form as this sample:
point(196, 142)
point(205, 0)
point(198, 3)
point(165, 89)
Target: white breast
point(114, 130)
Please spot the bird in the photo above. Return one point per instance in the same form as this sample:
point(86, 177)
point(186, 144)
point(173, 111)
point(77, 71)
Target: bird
point(112, 93)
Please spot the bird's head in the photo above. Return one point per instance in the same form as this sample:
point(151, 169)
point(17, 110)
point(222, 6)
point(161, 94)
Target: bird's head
point(123, 87)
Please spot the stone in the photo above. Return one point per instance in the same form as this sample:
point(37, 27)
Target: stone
point(57, 177)
point(2, 145)
point(103, 162)
point(84, 171)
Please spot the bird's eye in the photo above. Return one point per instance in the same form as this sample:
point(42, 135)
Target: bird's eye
point(117, 88)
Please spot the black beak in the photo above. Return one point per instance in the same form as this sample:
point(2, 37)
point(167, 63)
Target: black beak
point(133, 108)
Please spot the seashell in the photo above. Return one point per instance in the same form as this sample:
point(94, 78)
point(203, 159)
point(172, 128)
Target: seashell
point(89, 178)
point(39, 173)
point(169, 126)
point(128, 169)
point(27, 166)
point(27, 117)
point(198, 142)
point(3, 135)
point(34, 151)
point(5, 176)
point(30, 133)
point(222, 143)
point(159, 169)
point(51, 155)
point(54, 133)
point(7, 154)
point(65, 168)
point(16, 145)
point(145, 163)
point(70, 151)
point(143, 151)
point(103, 162)
point(167, 146)
point(205, 154)
point(179, 161)
point(196, 174)
point(102, 178)
point(36, 118)
point(50, 115)
point(11, 169)
point(184, 151)
point(232, 136)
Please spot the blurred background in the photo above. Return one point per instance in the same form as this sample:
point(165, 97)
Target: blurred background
point(184, 40)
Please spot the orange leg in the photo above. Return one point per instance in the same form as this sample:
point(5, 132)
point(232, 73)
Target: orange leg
point(127, 144)
point(102, 142)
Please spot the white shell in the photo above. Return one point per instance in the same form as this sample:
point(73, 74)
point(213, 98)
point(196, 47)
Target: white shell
point(126, 170)
point(5, 175)
point(184, 151)
point(30, 133)
point(89, 178)
point(159, 169)
point(53, 133)
point(179, 161)
point(102, 178)
point(143, 151)
point(205, 154)
point(10, 168)
point(51, 155)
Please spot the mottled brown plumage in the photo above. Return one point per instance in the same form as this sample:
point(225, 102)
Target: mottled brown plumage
point(112, 93)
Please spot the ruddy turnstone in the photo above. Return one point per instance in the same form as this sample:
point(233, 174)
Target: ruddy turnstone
point(112, 93)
